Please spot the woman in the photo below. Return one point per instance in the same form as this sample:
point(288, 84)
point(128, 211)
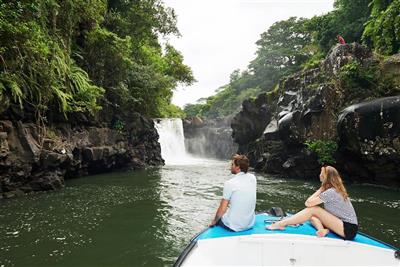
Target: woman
point(338, 216)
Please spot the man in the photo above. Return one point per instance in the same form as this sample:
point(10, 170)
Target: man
point(236, 210)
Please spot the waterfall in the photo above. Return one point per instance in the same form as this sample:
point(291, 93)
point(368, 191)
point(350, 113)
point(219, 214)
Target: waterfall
point(172, 141)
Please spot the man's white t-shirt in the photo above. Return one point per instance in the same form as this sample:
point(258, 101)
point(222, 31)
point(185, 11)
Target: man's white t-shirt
point(241, 193)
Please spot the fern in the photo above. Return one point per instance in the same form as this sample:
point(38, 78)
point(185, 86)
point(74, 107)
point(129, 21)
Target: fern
point(63, 98)
point(85, 93)
point(8, 84)
point(325, 150)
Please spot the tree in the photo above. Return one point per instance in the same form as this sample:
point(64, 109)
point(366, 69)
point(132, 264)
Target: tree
point(138, 73)
point(192, 110)
point(36, 48)
point(281, 51)
point(382, 31)
point(65, 55)
point(347, 19)
point(350, 17)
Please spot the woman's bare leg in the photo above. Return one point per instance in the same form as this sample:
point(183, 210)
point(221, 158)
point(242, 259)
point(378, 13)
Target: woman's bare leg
point(316, 223)
point(300, 217)
point(328, 220)
point(321, 231)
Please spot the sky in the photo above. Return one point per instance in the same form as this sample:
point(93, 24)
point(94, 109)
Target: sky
point(218, 36)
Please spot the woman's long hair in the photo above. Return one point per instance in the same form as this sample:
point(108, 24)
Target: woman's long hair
point(333, 179)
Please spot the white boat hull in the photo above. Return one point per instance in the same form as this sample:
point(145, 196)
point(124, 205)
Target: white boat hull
point(284, 250)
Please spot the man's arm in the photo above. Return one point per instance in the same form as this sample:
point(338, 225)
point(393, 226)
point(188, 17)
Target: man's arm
point(220, 211)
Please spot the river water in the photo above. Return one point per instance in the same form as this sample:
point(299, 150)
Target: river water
point(145, 218)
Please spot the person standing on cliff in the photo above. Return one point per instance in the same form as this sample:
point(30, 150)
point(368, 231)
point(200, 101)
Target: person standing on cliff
point(341, 40)
point(236, 211)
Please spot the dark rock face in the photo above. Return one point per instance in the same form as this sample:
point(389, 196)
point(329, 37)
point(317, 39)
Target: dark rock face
point(289, 117)
point(209, 138)
point(31, 163)
point(272, 129)
point(369, 135)
point(250, 123)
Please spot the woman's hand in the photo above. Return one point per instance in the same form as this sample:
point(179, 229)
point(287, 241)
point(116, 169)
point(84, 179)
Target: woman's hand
point(311, 202)
point(316, 193)
point(314, 199)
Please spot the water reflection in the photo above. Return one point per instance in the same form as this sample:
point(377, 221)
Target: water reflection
point(194, 192)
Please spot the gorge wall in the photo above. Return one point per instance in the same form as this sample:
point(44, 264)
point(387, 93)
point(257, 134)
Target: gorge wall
point(209, 137)
point(351, 99)
point(40, 158)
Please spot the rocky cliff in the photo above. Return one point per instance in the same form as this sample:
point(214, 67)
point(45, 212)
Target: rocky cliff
point(209, 137)
point(316, 105)
point(37, 158)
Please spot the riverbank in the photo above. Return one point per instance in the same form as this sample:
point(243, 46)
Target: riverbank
point(40, 158)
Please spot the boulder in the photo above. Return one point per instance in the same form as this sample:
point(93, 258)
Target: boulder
point(340, 55)
point(252, 120)
point(391, 66)
point(49, 180)
point(50, 159)
point(369, 135)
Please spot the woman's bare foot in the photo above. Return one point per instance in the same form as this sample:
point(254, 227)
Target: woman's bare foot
point(276, 226)
point(322, 232)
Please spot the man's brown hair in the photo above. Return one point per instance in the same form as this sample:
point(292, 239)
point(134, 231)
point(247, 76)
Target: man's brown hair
point(242, 161)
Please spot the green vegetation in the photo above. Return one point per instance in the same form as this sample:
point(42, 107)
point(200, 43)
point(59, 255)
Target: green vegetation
point(35, 55)
point(76, 55)
point(357, 77)
point(119, 126)
point(80, 56)
point(325, 150)
point(347, 19)
point(367, 80)
point(51, 134)
point(297, 44)
point(382, 31)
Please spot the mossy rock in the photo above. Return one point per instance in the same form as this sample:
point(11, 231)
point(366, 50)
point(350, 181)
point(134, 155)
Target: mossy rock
point(4, 102)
